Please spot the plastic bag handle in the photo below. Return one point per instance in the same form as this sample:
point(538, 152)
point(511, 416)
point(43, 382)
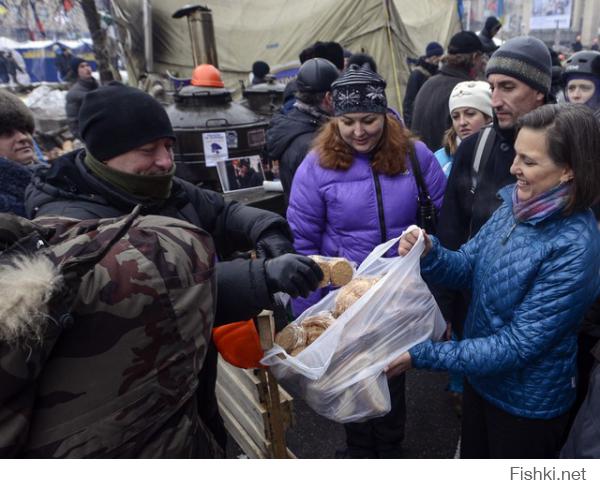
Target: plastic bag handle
point(383, 248)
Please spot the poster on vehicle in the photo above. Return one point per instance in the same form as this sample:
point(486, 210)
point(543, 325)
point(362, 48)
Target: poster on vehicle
point(551, 14)
point(215, 147)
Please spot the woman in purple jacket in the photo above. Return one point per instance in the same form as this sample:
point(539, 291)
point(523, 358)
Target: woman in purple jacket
point(355, 190)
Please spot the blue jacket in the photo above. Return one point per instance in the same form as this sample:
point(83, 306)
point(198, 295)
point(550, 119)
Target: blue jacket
point(531, 284)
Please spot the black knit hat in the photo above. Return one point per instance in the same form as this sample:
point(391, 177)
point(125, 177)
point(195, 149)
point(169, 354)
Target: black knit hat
point(465, 42)
point(115, 119)
point(14, 114)
point(359, 89)
point(525, 58)
point(75, 62)
point(260, 69)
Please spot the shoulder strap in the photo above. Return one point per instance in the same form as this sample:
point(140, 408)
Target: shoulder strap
point(483, 148)
point(416, 168)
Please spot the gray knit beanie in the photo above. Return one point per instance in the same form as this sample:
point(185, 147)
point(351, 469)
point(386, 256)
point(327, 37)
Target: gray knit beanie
point(525, 58)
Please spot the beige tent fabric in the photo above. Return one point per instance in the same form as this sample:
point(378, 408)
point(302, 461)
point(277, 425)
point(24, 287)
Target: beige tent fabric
point(276, 31)
point(430, 20)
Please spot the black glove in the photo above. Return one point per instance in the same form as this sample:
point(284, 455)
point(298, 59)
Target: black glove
point(271, 244)
point(293, 274)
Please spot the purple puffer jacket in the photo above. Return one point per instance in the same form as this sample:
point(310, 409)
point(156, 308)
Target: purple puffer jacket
point(337, 213)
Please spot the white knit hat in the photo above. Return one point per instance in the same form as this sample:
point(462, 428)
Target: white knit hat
point(475, 94)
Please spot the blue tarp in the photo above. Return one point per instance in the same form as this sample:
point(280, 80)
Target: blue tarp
point(40, 57)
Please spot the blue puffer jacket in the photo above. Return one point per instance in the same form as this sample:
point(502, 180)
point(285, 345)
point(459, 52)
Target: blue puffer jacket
point(532, 283)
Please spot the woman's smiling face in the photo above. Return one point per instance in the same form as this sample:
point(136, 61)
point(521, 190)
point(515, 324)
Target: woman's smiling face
point(362, 130)
point(533, 167)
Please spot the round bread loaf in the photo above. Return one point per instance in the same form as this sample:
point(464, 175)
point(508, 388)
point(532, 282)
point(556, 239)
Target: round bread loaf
point(340, 272)
point(291, 337)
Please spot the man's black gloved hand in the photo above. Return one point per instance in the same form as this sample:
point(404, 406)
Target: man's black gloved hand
point(293, 274)
point(271, 244)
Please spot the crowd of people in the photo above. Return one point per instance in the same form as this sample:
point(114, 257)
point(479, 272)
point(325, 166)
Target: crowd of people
point(119, 271)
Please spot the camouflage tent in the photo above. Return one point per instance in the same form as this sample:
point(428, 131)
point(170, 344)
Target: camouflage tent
point(276, 31)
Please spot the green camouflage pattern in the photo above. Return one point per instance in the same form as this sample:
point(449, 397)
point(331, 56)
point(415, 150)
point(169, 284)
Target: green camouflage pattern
point(117, 377)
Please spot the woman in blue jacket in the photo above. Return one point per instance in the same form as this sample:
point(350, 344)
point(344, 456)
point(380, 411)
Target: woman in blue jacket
point(533, 269)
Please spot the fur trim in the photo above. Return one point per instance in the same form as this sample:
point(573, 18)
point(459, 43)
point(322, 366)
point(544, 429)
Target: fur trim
point(14, 114)
point(27, 284)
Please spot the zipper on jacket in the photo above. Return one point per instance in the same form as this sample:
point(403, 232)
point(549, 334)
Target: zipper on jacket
point(510, 231)
point(379, 196)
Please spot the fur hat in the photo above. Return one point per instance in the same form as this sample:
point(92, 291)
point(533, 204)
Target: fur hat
point(331, 51)
point(525, 58)
point(14, 114)
point(475, 94)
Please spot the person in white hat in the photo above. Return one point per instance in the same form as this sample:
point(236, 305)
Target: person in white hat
point(470, 105)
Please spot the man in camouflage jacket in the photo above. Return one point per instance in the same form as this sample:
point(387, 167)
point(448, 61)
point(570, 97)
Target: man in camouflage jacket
point(103, 332)
point(127, 161)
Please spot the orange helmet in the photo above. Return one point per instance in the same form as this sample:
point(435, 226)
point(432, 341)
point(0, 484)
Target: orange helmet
point(207, 76)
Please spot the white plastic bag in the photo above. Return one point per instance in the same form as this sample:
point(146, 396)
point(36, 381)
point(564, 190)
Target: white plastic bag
point(340, 375)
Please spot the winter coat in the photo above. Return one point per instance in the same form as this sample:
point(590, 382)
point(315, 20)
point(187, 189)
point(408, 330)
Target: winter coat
point(416, 80)
point(584, 437)
point(346, 213)
point(445, 160)
point(288, 140)
point(14, 179)
point(531, 284)
point(69, 189)
point(115, 377)
point(487, 41)
point(75, 97)
point(431, 115)
point(462, 216)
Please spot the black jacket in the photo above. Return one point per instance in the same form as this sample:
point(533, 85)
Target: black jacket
point(288, 140)
point(74, 100)
point(68, 189)
point(431, 116)
point(416, 80)
point(463, 213)
point(489, 46)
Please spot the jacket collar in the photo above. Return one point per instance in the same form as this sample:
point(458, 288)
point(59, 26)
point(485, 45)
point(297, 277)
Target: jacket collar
point(70, 178)
point(455, 72)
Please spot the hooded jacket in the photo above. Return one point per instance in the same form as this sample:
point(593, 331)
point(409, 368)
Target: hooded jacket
point(116, 376)
point(347, 213)
point(485, 36)
point(288, 140)
point(531, 282)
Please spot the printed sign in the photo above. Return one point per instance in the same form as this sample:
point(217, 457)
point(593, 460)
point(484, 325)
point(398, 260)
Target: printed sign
point(551, 14)
point(215, 147)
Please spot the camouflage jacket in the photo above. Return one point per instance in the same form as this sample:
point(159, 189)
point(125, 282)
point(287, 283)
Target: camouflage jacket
point(117, 375)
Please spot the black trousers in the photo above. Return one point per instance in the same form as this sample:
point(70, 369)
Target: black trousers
point(381, 437)
point(490, 432)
